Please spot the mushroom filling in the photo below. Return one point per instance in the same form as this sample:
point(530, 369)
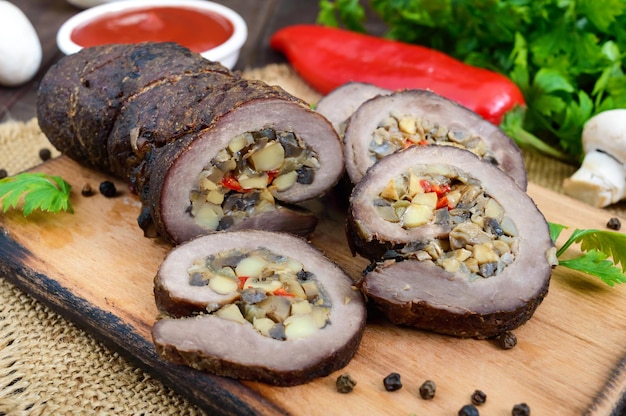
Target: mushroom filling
point(399, 131)
point(482, 239)
point(274, 293)
point(242, 180)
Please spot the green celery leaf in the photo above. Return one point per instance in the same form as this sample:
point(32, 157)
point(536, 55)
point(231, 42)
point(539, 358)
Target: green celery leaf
point(550, 80)
point(595, 263)
point(36, 191)
point(326, 15)
point(348, 12)
point(602, 13)
point(548, 104)
point(570, 129)
point(610, 242)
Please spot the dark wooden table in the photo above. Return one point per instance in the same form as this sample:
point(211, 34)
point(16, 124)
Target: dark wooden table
point(263, 19)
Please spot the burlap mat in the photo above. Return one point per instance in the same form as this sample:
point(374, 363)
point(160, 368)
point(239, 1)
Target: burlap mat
point(48, 366)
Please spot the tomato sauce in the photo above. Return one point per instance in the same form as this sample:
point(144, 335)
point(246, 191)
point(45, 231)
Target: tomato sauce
point(198, 30)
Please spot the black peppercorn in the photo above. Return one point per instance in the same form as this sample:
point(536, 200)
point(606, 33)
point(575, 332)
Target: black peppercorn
point(345, 383)
point(3, 173)
point(87, 190)
point(614, 224)
point(107, 188)
point(428, 389)
point(392, 382)
point(507, 340)
point(521, 409)
point(45, 154)
point(468, 410)
point(479, 397)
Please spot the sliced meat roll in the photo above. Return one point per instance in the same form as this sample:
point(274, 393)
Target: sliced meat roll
point(456, 246)
point(388, 123)
point(205, 149)
point(257, 305)
point(338, 105)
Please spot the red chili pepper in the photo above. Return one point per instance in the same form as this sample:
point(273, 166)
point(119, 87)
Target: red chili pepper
point(231, 182)
point(282, 292)
point(329, 57)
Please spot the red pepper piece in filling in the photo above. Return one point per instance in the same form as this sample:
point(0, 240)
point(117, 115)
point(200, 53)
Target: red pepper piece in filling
point(271, 174)
point(232, 183)
point(440, 190)
point(282, 292)
point(329, 57)
point(442, 202)
point(241, 281)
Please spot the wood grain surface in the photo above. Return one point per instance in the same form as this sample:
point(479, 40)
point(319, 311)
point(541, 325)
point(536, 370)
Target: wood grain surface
point(96, 268)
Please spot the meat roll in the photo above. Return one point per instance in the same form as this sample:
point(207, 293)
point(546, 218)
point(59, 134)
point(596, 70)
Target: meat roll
point(205, 149)
point(456, 246)
point(390, 122)
point(257, 305)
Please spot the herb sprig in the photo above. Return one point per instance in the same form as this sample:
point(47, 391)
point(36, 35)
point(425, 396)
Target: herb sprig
point(567, 56)
point(604, 253)
point(36, 191)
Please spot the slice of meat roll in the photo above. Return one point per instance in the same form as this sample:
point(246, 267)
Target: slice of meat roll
point(338, 105)
point(456, 246)
point(388, 123)
point(256, 305)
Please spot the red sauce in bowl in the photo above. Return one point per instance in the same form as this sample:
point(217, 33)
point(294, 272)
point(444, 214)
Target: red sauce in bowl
point(198, 30)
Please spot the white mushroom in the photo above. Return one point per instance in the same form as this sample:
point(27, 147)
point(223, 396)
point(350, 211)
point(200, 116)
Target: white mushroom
point(601, 179)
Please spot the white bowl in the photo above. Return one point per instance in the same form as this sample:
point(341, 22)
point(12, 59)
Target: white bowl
point(227, 53)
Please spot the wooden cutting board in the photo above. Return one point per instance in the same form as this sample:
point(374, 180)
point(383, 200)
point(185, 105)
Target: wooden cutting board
point(96, 268)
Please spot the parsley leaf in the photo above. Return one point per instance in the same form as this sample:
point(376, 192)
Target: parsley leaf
point(36, 191)
point(604, 253)
point(595, 263)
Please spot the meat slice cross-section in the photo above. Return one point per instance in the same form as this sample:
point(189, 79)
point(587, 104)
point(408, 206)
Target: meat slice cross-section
point(456, 246)
point(257, 305)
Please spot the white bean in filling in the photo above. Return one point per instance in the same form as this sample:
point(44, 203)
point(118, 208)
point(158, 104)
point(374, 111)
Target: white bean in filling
point(482, 240)
point(277, 296)
point(399, 131)
point(242, 179)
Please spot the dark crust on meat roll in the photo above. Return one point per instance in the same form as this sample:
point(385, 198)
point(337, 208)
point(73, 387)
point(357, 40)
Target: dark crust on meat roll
point(81, 94)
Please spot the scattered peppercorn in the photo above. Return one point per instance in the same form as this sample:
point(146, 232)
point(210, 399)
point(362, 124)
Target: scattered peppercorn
point(3, 173)
point(507, 340)
point(345, 383)
point(614, 224)
point(45, 154)
point(107, 188)
point(479, 397)
point(428, 389)
point(468, 410)
point(521, 409)
point(392, 382)
point(87, 190)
